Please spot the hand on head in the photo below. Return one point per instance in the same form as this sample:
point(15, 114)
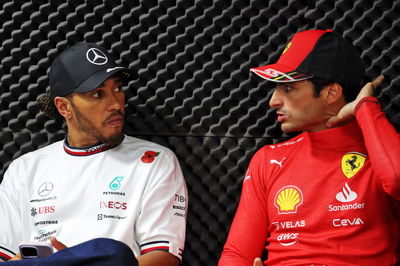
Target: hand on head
point(347, 112)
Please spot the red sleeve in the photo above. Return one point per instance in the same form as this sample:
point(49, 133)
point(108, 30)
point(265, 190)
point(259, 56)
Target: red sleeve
point(248, 233)
point(382, 142)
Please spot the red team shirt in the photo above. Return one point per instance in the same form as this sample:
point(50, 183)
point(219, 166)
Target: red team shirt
point(329, 197)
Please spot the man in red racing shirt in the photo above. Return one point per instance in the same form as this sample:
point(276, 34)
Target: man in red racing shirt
point(329, 196)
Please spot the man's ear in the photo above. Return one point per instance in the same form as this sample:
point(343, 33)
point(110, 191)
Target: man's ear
point(63, 106)
point(332, 93)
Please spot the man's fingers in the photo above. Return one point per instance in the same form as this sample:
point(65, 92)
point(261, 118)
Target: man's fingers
point(332, 121)
point(257, 262)
point(368, 89)
point(57, 244)
point(376, 82)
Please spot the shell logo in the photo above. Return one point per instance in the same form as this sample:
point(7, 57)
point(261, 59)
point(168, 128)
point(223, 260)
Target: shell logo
point(288, 199)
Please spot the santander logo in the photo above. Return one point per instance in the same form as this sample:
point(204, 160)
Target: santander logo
point(346, 195)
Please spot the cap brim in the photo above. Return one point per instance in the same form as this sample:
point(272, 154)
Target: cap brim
point(279, 73)
point(95, 80)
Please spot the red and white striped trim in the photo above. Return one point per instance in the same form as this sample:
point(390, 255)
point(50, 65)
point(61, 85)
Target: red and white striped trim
point(155, 245)
point(6, 254)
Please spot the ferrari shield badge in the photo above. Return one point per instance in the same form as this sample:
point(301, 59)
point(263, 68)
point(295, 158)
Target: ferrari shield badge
point(352, 162)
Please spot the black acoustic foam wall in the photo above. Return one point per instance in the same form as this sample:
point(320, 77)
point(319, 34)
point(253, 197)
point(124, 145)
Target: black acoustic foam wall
point(193, 91)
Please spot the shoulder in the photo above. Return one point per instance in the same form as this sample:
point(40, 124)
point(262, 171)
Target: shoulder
point(46, 151)
point(281, 147)
point(147, 147)
point(21, 170)
point(130, 141)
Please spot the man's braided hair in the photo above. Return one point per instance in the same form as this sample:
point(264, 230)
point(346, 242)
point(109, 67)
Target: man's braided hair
point(47, 107)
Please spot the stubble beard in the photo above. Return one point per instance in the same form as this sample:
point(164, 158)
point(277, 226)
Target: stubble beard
point(86, 126)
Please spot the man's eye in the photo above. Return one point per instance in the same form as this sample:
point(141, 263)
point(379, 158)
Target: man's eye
point(287, 88)
point(119, 88)
point(97, 94)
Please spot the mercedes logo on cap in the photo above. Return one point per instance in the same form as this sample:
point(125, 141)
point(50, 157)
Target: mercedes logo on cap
point(45, 189)
point(96, 56)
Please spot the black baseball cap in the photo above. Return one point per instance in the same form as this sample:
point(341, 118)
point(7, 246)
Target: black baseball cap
point(82, 68)
point(316, 53)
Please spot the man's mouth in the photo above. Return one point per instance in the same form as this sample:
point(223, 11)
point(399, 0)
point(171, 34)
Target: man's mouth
point(281, 117)
point(115, 121)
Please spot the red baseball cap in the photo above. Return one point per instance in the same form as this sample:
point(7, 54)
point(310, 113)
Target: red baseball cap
point(320, 53)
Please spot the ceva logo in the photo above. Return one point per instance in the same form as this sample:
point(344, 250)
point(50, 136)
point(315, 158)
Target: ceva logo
point(347, 222)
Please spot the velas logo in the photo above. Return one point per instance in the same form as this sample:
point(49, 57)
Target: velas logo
point(96, 56)
point(287, 47)
point(149, 156)
point(288, 199)
point(45, 189)
point(115, 184)
point(352, 162)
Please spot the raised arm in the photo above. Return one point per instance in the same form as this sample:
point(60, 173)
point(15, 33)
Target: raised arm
point(381, 138)
point(382, 142)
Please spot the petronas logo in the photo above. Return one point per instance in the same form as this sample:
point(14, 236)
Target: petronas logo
point(116, 183)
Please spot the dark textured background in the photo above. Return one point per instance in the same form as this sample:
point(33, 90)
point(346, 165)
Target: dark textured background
point(194, 92)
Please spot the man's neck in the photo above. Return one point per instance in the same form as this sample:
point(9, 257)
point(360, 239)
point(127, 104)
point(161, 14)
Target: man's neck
point(81, 142)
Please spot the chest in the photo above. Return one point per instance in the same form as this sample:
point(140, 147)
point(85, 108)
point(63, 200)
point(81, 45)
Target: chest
point(315, 184)
point(100, 191)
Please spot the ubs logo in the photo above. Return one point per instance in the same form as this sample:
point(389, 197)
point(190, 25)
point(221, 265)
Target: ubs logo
point(45, 189)
point(96, 56)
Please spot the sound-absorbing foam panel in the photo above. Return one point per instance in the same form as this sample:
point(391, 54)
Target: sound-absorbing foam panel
point(193, 91)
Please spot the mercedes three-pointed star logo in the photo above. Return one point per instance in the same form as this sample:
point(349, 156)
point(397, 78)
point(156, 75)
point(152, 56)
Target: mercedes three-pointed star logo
point(96, 56)
point(45, 189)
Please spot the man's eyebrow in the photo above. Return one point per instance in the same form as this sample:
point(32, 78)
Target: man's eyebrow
point(116, 81)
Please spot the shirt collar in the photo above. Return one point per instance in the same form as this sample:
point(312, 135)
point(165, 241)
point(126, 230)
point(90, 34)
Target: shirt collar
point(87, 150)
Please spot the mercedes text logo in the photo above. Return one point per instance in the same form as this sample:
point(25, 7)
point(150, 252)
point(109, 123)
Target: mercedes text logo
point(96, 56)
point(45, 189)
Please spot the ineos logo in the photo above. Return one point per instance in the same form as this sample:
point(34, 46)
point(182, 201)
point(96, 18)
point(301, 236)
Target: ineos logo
point(96, 56)
point(45, 189)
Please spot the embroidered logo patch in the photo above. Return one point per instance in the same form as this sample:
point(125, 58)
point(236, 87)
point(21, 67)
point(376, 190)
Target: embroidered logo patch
point(148, 156)
point(352, 162)
point(288, 199)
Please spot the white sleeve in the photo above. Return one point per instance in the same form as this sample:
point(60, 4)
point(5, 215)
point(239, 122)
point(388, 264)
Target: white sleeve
point(10, 216)
point(162, 221)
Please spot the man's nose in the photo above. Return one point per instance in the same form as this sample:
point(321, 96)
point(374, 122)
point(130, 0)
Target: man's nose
point(115, 101)
point(276, 99)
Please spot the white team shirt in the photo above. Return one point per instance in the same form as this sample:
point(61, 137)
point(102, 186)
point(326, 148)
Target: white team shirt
point(134, 192)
